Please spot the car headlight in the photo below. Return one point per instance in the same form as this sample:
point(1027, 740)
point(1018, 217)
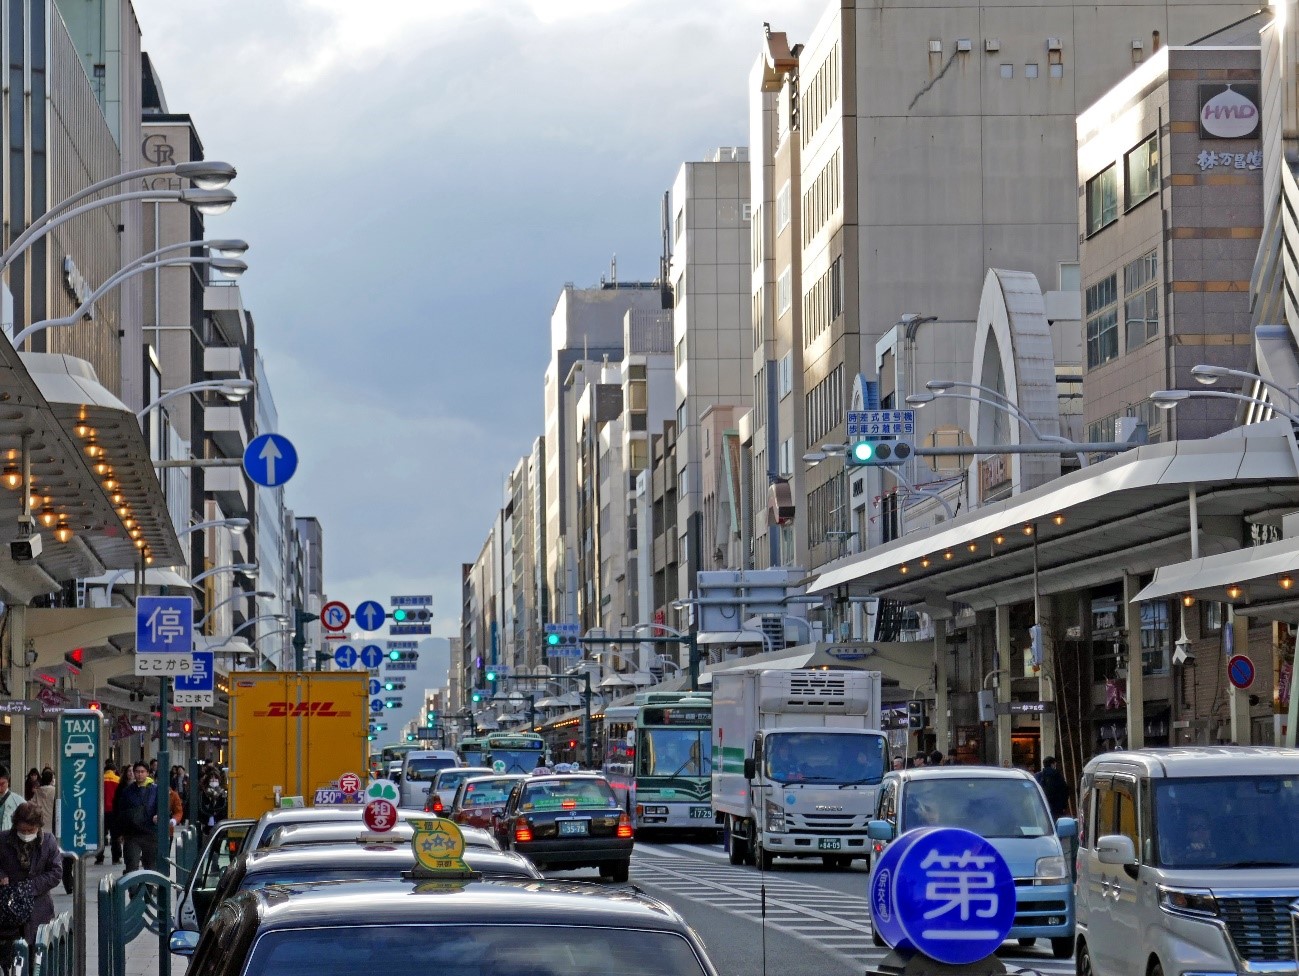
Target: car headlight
point(775, 818)
point(1051, 868)
point(1193, 902)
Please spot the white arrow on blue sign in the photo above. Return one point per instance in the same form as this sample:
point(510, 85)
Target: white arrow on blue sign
point(376, 704)
point(370, 615)
point(345, 657)
point(376, 686)
point(372, 656)
point(270, 460)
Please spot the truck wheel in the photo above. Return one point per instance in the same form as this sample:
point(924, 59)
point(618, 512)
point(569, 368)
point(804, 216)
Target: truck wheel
point(764, 857)
point(734, 845)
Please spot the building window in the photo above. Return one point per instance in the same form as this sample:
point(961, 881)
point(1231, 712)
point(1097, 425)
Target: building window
point(784, 293)
point(1156, 636)
point(1102, 322)
point(1141, 171)
point(785, 376)
point(1212, 617)
point(782, 208)
point(787, 457)
point(1102, 200)
point(1030, 71)
point(1102, 431)
point(679, 224)
point(746, 211)
point(681, 352)
point(681, 417)
point(1141, 299)
point(1057, 71)
point(1008, 71)
point(836, 288)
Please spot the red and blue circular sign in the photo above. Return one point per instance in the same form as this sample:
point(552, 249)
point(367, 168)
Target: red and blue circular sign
point(1240, 671)
point(943, 892)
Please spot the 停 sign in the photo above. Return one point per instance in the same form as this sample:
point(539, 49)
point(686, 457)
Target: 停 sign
point(943, 892)
point(164, 635)
point(81, 795)
point(198, 688)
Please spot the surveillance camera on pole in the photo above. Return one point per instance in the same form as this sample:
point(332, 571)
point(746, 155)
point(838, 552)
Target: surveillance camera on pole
point(1182, 652)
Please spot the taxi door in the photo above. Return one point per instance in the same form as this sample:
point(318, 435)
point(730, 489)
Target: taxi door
point(223, 846)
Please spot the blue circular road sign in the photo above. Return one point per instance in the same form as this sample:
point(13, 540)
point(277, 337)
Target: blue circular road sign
point(270, 460)
point(1240, 671)
point(372, 656)
point(345, 657)
point(376, 686)
point(376, 705)
point(370, 615)
point(943, 892)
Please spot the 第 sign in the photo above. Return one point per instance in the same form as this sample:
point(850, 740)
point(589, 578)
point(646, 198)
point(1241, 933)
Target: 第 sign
point(81, 795)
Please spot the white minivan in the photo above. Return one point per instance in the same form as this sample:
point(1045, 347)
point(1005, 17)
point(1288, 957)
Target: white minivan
point(1188, 861)
point(418, 769)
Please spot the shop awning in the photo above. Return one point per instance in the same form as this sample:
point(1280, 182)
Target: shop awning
point(712, 638)
point(1266, 573)
point(1126, 513)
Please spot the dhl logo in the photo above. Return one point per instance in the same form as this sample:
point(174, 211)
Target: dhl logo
point(283, 709)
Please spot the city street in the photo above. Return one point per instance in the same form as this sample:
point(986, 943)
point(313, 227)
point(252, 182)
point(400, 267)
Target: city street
point(817, 920)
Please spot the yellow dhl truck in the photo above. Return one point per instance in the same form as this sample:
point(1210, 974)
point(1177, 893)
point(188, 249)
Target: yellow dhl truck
point(292, 733)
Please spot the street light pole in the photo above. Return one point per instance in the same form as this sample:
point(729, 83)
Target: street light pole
point(300, 620)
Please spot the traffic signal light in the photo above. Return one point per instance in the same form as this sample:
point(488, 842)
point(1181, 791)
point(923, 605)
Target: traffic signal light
point(491, 674)
point(394, 655)
point(410, 736)
point(432, 717)
point(390, 686)
point(187, 726)
point(75, 658)
point(95, 706)
point(915, 715)
point(476, 696)
point(553, 639)
point(880, 452)
point(399, 615)
point(371, 737)
point(412, 615)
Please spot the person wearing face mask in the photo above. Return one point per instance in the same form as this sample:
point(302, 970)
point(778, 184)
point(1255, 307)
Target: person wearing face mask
point(29, 855)
point(212, 803)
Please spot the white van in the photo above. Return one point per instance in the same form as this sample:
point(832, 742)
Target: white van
point(1188, 861)
point(418, 769)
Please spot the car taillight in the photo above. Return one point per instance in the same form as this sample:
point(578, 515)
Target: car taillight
point(569, 804)
point(437, 804)
point(522, 832)
point(624, 826)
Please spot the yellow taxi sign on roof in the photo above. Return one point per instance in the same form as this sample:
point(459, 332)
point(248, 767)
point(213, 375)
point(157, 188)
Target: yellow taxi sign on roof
point(439, 848)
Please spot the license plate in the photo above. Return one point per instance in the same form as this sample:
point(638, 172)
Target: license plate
point(829, 844)
point(573, 828)
point(700, 813)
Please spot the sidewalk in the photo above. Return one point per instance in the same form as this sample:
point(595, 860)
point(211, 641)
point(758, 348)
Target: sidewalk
point(141, 955)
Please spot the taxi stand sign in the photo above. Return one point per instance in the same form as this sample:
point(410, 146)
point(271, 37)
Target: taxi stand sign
point(81, 756)
point(439, 848)
point(943, 892)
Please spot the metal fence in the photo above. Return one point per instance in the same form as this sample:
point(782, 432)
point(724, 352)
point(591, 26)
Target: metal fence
point(54, 953)
point(128, 906)
point(188, 844)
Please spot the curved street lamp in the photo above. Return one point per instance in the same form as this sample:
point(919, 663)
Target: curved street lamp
point(247, 569)
point(1208, 375)
point(235, 525)
point(1171, 399)
point(233, 390)
point(942, 388)
point(239, 595)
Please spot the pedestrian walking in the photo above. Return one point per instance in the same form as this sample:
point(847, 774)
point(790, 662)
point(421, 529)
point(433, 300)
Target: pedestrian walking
point(31, 784)
point(1055, 788)
point(31, 866)
point(9, 801)
point(136, 809)
point(112, 836)
point(44, 798)
point(213, 803)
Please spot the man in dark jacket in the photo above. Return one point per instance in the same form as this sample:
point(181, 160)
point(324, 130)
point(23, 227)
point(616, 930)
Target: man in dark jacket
point(1055, 788)
point(30, 855)
point(136, 810)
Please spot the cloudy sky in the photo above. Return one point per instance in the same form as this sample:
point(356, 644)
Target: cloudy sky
point(418, 179)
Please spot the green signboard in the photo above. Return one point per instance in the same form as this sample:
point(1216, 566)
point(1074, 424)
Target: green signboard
point(81, 791)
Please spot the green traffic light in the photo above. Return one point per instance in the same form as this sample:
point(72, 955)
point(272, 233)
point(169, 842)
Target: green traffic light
point(477, 697)
point(863, 451)
point(491, 675)
point(399, 615)
point(409, 737)
point(552, 640)
point(388, 686)
point(394, 655)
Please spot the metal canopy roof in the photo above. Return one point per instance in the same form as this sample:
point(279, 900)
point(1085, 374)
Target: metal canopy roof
point(1129, 513)
point(42, 396)
point(1259, 569)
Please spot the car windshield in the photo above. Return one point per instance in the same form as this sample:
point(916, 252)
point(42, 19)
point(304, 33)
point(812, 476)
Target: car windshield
point(488, 793)
point(425, 768)
point(988, 806)
point(449, 779)
point(563, 794)
point(475, 950)
point(301, 875)
point(823, 757)
point(1227, 822)
point(676, 752)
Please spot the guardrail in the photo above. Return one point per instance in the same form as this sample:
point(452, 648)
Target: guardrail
point(54, 954)
point(128, 906)
point(188, 845)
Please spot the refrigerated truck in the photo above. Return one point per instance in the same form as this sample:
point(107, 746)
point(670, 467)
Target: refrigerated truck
point(798, 756)
point(292, 733)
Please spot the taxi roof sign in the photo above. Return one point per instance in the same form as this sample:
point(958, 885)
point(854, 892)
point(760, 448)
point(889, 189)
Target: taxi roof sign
point(439, 849)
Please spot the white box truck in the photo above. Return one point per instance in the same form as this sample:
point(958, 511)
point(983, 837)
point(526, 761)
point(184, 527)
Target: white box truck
point(797, 761)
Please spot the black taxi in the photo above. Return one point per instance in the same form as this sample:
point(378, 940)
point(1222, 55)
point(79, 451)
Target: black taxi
point(566, 821)
point(467, 926)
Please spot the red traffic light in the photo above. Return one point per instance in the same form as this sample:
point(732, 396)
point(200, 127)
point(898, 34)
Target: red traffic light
point(95, 706)
point(76, 657)
point(187, 726)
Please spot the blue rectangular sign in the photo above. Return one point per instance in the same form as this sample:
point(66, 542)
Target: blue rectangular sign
point(411, 601)
point(81, 793)
point(164, 625)
point(198, 688)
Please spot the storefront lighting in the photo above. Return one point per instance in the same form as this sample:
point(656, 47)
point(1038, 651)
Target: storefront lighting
point(1188, 600)
point(93, 450)
point(998, 539)
point(973, 547)
point(1235, 592)
point(13, 478)
point(924, 562)
point(110, 484)
point(64, 532)
point(903, 570)
point(1058, 518)
point(49, 517)
point(102, 467)
point(83, 429)
point(1028, 529)
point(947, 554)
point(1285, 582)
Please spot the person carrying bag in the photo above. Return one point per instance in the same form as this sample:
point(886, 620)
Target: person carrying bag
point(31, 866)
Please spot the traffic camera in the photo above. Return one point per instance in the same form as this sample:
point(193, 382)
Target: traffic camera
point(880, 452)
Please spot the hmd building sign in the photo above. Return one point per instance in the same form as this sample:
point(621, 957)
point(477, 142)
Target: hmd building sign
point(1229, 111)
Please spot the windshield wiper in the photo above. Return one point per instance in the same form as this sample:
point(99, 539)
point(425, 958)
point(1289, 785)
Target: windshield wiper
point(854, 782)
point(1256, 864)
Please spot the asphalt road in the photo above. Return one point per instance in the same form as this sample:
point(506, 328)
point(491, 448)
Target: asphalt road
point(817, 921)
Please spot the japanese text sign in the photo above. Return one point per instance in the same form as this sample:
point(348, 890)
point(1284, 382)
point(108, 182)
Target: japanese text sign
point(164, 635)
point(81, 793)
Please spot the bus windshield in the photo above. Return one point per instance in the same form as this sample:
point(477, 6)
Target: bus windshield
point(675, 752)
point(516, 760)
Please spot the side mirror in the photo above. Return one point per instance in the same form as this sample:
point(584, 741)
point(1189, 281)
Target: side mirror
point(428, 790)
point(750, 768)
point(879, 830)
point(1066, 827)
point(1116, 849)
point(183, 942)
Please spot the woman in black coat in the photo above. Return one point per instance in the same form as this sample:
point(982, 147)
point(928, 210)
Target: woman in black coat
point(30, 853)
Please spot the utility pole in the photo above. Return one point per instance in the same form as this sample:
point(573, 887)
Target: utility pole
point(300, 620)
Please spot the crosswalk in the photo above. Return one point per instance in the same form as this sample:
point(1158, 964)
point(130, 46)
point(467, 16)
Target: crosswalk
point(838, 923)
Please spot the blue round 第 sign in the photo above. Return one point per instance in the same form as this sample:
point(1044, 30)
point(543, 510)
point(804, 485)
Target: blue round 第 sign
point(943, 892)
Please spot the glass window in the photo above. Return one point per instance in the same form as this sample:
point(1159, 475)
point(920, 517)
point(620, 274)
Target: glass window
point(1125, 812)
point(784, 293)
point(1102, 322)
point(1008, 71)
point(1155, 636)
point(1227, 822)
point(1141, 171)
point(1030, 71)
point(818, 757)
point(991, 807)
point(1102, 200)
point(1212, 616)
point(559, 794)
point(785, 375)
point(424, 770)
point(675, 752)
point(782, 208)
point(1141, 299)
